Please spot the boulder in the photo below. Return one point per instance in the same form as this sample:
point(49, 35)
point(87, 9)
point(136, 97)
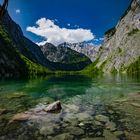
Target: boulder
point(54, 107)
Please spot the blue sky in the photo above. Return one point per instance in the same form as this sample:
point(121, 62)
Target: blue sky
point(94, 15)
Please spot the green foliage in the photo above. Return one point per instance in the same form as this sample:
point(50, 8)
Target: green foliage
point(134, 31)
point(114, 71)
point(21, 64)
point(92, 69)
point(35, 69)
point(119, 50)
point(134, 67)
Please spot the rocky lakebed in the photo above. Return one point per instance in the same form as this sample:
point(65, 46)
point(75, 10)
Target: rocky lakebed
point(118, 120)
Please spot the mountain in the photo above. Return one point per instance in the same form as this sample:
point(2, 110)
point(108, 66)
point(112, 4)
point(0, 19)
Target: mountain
point(64, 56)
point(87, 49)
point(20, 57)
point(12, 63)
point(23, 44)
point(121, 50)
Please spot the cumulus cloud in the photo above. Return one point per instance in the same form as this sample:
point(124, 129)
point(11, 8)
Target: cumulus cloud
point(56, 35)
point(17, 11)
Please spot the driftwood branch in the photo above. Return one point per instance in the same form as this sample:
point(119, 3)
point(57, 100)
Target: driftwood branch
point(3, 8)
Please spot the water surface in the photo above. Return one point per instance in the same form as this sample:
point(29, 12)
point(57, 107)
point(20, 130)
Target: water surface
point(92, 95)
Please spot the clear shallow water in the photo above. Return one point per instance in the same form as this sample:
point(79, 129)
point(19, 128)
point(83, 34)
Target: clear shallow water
point(84, 92)
point(66, 89)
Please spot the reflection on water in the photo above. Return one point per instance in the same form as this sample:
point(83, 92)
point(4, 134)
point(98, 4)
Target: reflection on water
point(23, 94)
point(90, 95)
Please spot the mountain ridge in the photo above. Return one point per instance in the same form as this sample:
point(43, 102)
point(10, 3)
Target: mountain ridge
point(65, 56)
point(121, 46)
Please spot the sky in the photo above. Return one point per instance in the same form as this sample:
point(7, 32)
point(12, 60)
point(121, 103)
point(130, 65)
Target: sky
point(58, 21)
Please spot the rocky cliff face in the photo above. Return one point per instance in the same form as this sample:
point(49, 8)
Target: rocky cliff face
point(11, 65)
point(89, 50)
point(24, 45)
point(122, 44)
point(66, 58)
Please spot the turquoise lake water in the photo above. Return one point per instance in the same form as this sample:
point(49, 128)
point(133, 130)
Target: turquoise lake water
point(21, 95)
point(66, 89)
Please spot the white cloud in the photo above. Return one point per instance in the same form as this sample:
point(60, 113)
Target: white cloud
point(17, 11)
point(56, 35)
point(41, 43)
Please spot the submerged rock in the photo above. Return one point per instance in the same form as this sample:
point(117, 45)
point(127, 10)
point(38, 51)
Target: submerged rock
point(47, 131)
point(83, 116)
point(135, 105)
point(97, 123)
point(20, 117)
point(118, 133)
point(71, 108)
point(65, 136)
point(111, 126)
point(102, 118)
point(131, 136)
point(121, 100)
point(54, 107)
point(109, 136)
point(81, 124)
point(97, 138)
point(76, 131)
point(16, 95)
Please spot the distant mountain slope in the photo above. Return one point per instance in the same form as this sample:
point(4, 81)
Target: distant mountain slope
point(12, 63)
point(87, 49)
point(121, 50)
point(65, 57)
point(24, 45)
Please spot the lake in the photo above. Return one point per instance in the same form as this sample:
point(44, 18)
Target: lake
point(97, 108)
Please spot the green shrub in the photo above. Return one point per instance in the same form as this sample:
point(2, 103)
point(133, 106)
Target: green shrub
point(134, 31)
